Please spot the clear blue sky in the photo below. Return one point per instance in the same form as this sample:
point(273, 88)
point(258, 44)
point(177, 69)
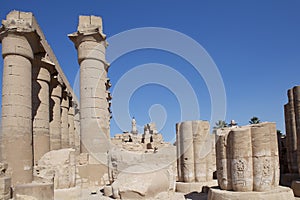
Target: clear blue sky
point(255, 45)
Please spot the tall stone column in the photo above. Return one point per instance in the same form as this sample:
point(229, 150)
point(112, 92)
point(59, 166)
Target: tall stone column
point(90, 43)
point(77, 130)
point(296, 97)
point(185, 133)
point(16, 144)
point(55, 113)
point(291, 133)
point(71, 114)
point(40, 106)
point(64, 121)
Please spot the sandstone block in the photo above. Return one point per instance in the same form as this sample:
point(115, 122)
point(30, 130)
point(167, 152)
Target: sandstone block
point(36, 191)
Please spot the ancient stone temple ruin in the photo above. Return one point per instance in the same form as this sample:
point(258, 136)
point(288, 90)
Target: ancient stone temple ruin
point(149, 141)
point(39, 107)
point(41, 120)
point(248, 163)
point(56, 147)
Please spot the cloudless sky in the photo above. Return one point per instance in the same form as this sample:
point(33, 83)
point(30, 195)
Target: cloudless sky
point(255, 45)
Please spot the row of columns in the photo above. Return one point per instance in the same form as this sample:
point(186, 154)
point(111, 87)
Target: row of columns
point(37, 109)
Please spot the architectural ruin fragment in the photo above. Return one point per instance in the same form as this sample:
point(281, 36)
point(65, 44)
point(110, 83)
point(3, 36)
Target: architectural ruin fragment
point(195, 156)
point(247, 161)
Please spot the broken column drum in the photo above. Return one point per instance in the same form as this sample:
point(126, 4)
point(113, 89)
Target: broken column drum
point(193, 156)
point(247, 158)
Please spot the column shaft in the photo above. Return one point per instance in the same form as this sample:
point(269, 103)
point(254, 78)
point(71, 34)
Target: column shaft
point(64, 121)
point(296, 95)
point(16, 147)
point(71, 126)
point(55, 114)
point(40, 110)
point(94, 97)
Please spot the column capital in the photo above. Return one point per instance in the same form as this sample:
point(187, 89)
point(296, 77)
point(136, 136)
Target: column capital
point(19, 26)
point(90, 28)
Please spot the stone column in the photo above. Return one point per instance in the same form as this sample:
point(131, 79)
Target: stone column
point(248, 157)
point(291, 133)
point(16, 147)
point(90, 43)
point(223, 159)
point(55, 113)
point(202, 151)
point(40, 107)
point(241, 162)
point(77, 130)
point(71, 114)
point(64, 120)
point(185, 135)
point(296, 97)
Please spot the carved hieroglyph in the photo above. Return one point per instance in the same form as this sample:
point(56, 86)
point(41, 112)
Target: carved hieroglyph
point(247, 158)
point(194, 151)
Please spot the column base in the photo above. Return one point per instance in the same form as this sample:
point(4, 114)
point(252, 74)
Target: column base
point(194, 187)
point(280, 193)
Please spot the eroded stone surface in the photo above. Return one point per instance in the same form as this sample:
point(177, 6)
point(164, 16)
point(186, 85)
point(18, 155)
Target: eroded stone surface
point(195, 146)
point(247, 158)
point(58, 167)
point(131, 185)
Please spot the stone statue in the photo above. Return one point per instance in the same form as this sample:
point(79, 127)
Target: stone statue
point(134, 129)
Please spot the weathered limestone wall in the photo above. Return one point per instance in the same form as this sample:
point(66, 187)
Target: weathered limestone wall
point(247, 158)
point(36, 95)
point(95, 115)
point(194, 152)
